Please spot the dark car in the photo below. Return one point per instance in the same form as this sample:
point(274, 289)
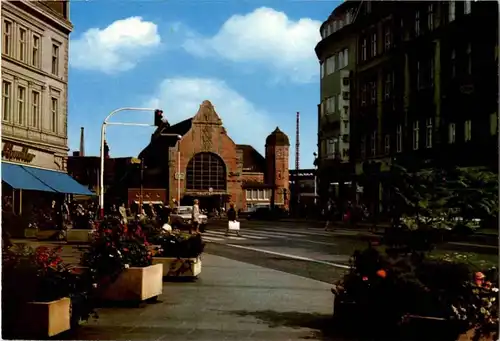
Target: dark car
point(266, 213)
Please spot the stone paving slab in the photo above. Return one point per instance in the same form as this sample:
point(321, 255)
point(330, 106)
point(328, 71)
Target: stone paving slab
point(230, 301)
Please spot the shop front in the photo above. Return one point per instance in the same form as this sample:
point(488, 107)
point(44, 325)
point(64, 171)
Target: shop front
point(34, 178)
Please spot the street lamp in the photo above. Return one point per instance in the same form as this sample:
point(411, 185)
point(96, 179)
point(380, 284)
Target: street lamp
point(103, 138)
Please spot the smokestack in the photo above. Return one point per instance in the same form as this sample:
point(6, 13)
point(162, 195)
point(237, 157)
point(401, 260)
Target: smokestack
point(82, 142)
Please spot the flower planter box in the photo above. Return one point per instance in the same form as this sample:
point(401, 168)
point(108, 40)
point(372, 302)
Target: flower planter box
point(135, 284)
point(179, 267)
point(46, 319)
point(79, 236)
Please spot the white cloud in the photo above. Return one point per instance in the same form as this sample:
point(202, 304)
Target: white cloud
point(115, 48)
point(180, 98)
point(265, 36)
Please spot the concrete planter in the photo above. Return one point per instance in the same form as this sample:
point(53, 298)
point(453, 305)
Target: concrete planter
point(179, 267)
point(79, 236)
point(46, 319)
point(30, 233)
point(135, 284)
point(469, 336)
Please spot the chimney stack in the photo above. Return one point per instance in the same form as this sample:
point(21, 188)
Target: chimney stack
point(82, 142)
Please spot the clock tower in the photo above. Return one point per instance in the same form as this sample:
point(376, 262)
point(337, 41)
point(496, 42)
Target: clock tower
point(277, 171)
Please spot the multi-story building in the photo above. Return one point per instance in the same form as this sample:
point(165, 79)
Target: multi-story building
point(35, 39)
point(424, 88)
point(337, 55)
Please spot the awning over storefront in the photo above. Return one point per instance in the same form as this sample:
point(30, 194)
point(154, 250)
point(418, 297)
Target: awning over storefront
point(19, 178)
point(31, 178)
point(61, 182)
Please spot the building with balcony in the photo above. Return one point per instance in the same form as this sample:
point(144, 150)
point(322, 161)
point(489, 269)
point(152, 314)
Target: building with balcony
point(35, 39)
point(424, 89)
point(337, 56)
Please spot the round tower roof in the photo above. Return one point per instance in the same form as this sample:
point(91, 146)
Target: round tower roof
point(277, 138)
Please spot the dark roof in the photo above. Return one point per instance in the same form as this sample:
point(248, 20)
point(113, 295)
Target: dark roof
point(180, 128)
point(277, 138)
point(252, 160)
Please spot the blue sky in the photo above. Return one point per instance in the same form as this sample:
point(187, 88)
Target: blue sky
point(254, 61)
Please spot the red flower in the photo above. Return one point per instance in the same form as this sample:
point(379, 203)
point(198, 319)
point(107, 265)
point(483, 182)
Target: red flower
point(125, 249)
point(365, 278)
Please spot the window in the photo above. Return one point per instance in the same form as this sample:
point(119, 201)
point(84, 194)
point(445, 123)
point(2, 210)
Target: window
point(35, 108)
point(387, 144)
point(468, 130)
point(415, 135)
point(207, 170)
point(35, 51)
point(330, 149)
point(248, 194)
point(7, 38)
point(348, 18)
point(467, 6)
point(328, 29)
point(330, 105)
point(388, 86)
point(346, 57)
point(431, 71)
point(453, 64)
point(469, 59)
point(322, 70)
point(493, 124)
point(373, 93)
point(55, 59)
point(341, 60)
point(428, 133)
point(330, 65)
point(345, 96)
point(21, 104)
point(54, 111)
point(339, 102)
point(399, 138)
point(451, 133)
point(451, 11)
point(341, 23)
point(373, 144)
point(362, 147)
point(363, 50)
point(345, 81)
point(387, 39)
point(363, 95)
point(430, 17)
point(22, 45)
point(374, 44)
point(417, 23)
point(6, 100)
point(419, 80)
point(335, 26)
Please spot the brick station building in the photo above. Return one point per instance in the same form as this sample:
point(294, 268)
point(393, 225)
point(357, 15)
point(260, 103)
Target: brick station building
point(206, 164)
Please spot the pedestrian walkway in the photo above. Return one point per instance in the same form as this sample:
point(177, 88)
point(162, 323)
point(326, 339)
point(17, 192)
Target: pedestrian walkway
point(230, 301)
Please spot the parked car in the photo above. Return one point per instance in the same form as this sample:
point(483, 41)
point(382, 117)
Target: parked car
point(183, 218)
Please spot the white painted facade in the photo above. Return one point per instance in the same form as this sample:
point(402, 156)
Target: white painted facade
point(35, 41)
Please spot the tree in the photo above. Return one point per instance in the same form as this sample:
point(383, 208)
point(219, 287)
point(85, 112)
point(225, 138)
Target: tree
point(443, 198)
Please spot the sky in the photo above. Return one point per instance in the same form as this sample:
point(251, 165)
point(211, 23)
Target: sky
point(253, 60)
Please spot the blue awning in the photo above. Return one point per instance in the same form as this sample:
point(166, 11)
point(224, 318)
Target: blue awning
point(59, 181)
point(17, 177)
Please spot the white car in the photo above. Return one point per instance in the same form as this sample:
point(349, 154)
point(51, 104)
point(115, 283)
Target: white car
point(184, 216)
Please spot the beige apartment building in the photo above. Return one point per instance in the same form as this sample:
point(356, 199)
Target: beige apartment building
point(35, 45)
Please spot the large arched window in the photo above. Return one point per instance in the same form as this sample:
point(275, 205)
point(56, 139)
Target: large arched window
point(205, 171)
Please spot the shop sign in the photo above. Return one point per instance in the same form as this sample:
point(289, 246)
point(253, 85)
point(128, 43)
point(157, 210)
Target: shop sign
point(231, 174)
point(179, 176)
point(23, 155)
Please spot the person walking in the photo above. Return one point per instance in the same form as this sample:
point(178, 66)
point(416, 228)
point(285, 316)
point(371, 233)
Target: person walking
point(232, 219)
point(195, 217)
point(123, 213)
point(329, 214)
